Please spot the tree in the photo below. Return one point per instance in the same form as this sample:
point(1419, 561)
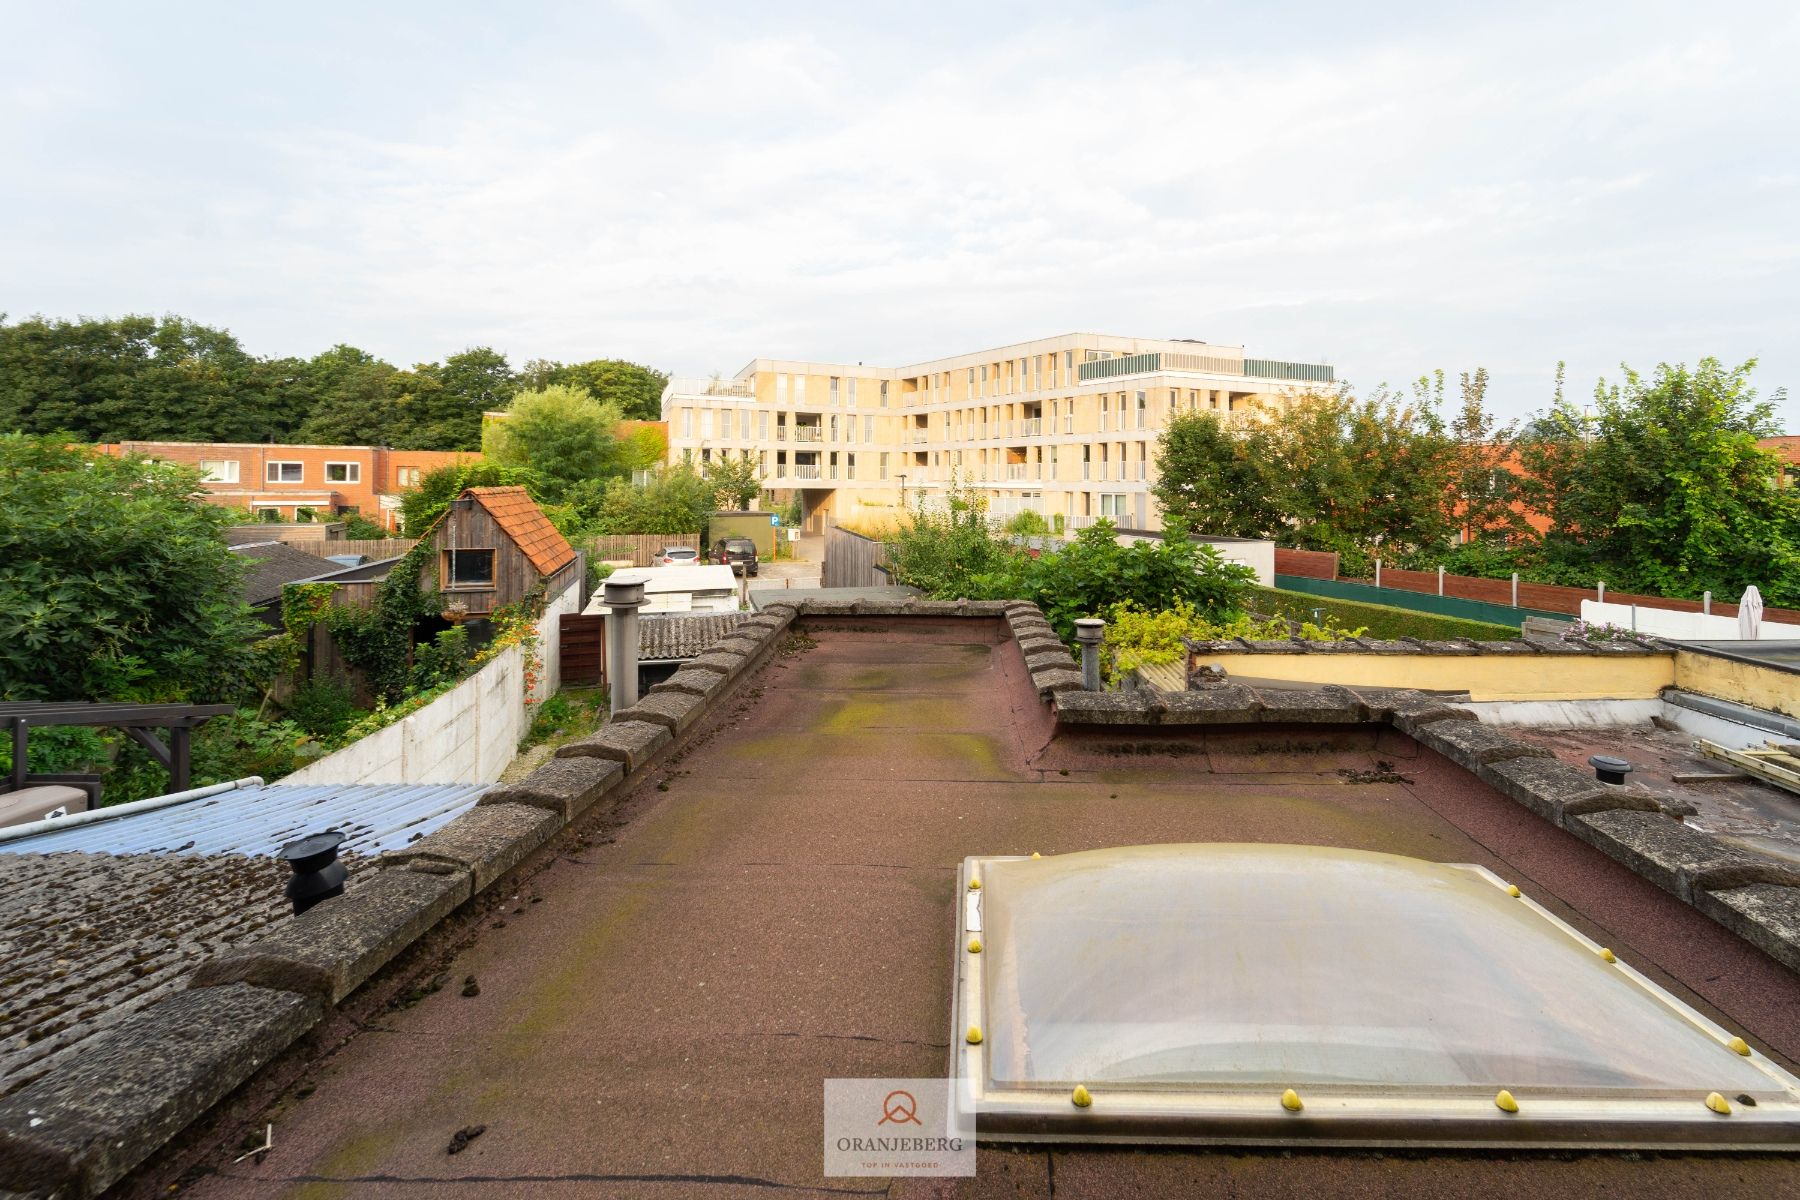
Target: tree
point(349, 398)
point(562, 434)
point(1664, 489)
point(115, 581)
point(446, 413)
point(1216, 480)
point(423, 505)
point(136, 378)
point(642, 445)
point(675, 500)
point(1483, 482)
point(637, 390)
point(735, 481)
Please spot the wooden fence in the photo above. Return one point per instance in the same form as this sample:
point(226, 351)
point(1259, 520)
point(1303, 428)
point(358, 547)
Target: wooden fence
point(851, 559)
point(374, 549)
point(583, 649)
point(1308, 564)
point(638, 547)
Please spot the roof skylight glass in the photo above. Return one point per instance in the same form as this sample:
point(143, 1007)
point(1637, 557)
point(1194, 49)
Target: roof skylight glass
point(1190, 989)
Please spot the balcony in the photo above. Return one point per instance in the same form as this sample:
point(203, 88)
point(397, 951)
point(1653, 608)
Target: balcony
point(919, 437)
point(722, 388)
point(806, 472)
point(1017, 471)
point(1212, 364)
point(809, 433)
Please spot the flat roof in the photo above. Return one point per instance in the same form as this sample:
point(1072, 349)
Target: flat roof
point(771, 909)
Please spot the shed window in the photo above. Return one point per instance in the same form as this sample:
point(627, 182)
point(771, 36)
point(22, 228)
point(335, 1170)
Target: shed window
point(468, 568)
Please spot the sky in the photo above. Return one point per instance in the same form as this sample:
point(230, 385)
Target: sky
point(1391, 189)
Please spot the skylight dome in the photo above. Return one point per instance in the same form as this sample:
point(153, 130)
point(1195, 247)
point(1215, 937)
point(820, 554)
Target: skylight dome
point(1191, 990)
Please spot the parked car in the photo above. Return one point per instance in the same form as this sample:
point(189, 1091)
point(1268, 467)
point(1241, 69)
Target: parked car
point(676, 556)
point(738, 553)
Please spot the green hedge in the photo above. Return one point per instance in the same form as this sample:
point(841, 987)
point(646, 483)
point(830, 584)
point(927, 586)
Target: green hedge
point(1381, 620)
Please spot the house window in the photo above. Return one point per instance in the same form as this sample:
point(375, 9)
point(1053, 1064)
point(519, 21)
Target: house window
point(762, 426)
point(868, 429)
point(781, 389)
point(834, 390)
point(1141, 410)
point(468, 568)
point(285, 472)
point(218, 470)
point(1112, 505)
point(884, 465)
point(687, 422)
point(884, 393)
point(706, 415)
point(343, 472)
point(799, 389)
point(852, 389)
point(408, 477)
point(269, 514)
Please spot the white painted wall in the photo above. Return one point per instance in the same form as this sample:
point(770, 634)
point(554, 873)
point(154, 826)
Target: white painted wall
point(469, 734)
point(1683, 626)
point(1258, 556)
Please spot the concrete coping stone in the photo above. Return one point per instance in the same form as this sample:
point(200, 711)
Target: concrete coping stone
point(1767, 915)
point(566, 787)
point(1044, 658)
point(1678, 859)
point(1033, 642)
point(487, 841)
point(329, 950)
point(1472, 744)
point(106, 1105)
point(701, 683)
point(629, 742)
point(1051, 682)
point(827, 607)
point(1558, 792)
point(674, 711)
point(1219, 704)
point(719, 662)
point(1082, 707)
point(1331, 706)
point(747, 644)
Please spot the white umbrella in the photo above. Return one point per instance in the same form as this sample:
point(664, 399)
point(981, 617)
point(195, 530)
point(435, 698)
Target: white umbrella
point(1749, 613)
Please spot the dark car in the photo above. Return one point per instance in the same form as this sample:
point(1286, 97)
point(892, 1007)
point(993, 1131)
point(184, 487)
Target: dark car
point(737, 553)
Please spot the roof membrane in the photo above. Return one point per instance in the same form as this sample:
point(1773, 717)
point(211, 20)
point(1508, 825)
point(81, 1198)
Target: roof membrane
point(1187, 987)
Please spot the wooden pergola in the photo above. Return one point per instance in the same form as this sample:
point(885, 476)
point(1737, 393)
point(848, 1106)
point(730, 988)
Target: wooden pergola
point(139, 722)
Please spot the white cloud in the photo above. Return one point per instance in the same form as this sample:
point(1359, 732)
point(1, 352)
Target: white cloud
point(676, 188)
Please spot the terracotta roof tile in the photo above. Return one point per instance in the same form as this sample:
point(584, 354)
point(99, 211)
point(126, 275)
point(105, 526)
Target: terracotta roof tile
point(525, 523)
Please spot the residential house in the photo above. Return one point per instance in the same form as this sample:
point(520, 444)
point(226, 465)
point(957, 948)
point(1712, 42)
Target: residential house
point(493, 547)
point(298, 482)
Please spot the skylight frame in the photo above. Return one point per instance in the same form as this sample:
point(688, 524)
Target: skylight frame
point(1366, 1115)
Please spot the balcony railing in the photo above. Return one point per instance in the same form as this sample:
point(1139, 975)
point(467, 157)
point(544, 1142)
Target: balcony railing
point(809, 433)
point(724, 388)
point(1016, 470)
point(1256, 368)
point(919, 437)
point(806, 472)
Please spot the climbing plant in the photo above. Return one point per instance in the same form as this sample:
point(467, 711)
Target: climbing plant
point(378, 640)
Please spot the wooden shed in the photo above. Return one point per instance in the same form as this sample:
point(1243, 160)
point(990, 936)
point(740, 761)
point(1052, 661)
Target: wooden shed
point(493, 546)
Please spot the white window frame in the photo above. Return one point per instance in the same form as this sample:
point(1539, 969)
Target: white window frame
point(219, 470)
point(272, 470)
point(352, 472)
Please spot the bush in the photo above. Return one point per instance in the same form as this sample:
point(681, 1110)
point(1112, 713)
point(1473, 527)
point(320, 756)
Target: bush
point(1137, 638)
point(1380, 620)
point(323, 707)
point(444, 660)
point(1093, 573)
point(225, 748)
point(359, 528)
point(1027, 524)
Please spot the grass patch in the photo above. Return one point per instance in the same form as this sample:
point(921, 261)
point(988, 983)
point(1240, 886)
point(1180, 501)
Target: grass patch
point(1380, 620)
point(570, 714)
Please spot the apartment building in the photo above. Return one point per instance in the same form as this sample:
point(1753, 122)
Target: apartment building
point(1064, 426)
point(288, 482)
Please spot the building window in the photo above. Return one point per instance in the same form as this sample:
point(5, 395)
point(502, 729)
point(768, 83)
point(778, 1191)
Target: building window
point(762, 426)
point(884, 384)
point(834, 389)
point(853, 390)
point(706, 425)
point(884, 465)
point(285, 472)
point(868, 429)
point(781, 389)
point(269, 514)
point(687, 422)
point(1142, 409)
point(219, 470)
point(1112, 504)
point(408, 477)
point(343, 472)
point(799, 389)
point(468, 568)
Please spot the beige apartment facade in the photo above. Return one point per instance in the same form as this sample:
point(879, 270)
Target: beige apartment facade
point(1063, 426)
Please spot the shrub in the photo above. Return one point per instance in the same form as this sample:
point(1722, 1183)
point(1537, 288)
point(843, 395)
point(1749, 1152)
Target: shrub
point(1027, 524)
point(322, 707)
point(1136, 637)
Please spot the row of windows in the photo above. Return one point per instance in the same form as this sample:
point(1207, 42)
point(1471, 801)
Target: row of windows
point(225, 470)
point(839, 389)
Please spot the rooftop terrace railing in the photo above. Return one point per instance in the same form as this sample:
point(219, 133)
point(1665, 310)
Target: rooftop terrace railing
point(722, 388)
point(1255, 368)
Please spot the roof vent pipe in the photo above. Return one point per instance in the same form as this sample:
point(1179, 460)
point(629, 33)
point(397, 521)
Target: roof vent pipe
point(622, 601)
point(318, 875)
point(1088, 632)
point(1608, 769)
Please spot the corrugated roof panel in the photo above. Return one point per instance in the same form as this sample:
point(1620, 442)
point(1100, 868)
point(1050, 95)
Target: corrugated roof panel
point(258, 821)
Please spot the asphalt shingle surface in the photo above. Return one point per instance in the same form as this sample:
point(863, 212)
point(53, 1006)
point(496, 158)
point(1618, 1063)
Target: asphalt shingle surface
point(783, 913)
